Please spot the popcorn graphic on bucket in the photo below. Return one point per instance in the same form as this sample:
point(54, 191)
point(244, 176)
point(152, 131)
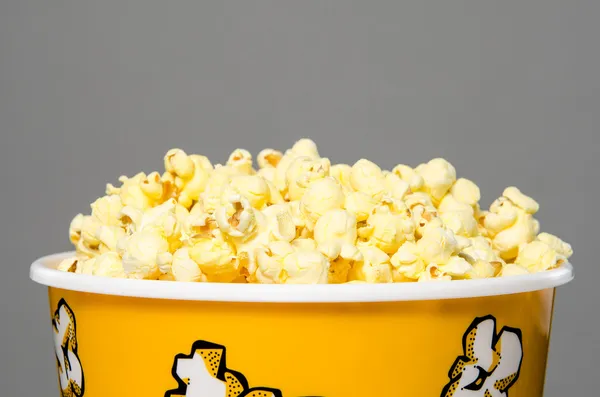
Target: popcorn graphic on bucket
point(490, 363)
point(70, 373)
point(203, 373)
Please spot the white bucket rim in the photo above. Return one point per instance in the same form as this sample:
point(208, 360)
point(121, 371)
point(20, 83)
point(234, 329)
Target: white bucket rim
point(43, 271)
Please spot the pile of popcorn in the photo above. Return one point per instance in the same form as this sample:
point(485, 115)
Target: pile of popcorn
point(299, 219)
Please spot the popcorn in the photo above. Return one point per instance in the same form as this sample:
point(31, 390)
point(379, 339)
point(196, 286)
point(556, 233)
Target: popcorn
point(375, 268)
point(368, 178)
point(178, 163)
point(270, 262)
point(396, 187)
point(341, 173)
point(236, 218)
point(511, 269)
point(387, 230)
point(304, 244)
point(306, 147)
point(213, 191)
point(140, 251)
point(342, 257)
point(433, 273)
point(511, 223)
point(456, 267)
point(68, 264)
point(252, 187)
point(195, 185)
point(240, 161)
point(556, 244)
point(301, 219)
point(75, 228)
point(269, 158)
point(106, 210)
point(321, 196)
point(216, 258)
point(360, 204)
point(108, 264)
point(538, 256)
point(336, 226)
point(185, 268)
point(306, 267)
point(462, 223)
point(410, 176)
point(465, 191)
point(438, 177)
point(302, 172)
point(422, 212)
point(437, 245)
point(407, 263)
point(280, 223)
point(131, 192)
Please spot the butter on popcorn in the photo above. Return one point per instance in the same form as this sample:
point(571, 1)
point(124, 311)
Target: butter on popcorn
point(298, 219)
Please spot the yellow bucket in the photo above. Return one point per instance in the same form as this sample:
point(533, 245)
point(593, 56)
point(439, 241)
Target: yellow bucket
point(479, 338)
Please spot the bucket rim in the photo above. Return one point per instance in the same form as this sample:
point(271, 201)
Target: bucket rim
point(43, 271)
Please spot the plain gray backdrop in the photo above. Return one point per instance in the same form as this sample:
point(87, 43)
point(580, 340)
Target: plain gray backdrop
point(508, 91)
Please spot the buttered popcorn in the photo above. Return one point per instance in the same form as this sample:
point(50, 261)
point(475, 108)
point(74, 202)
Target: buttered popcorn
point(299, 219)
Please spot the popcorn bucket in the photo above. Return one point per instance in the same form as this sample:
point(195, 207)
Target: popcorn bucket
point(120, 337)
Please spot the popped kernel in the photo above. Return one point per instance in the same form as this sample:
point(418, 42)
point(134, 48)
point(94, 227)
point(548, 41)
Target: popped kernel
point(438, 177)
point(140, 251)
point(341, 173)
point(306, 267)
point(367, 177)
point(216, 258)
point(437, 245)
point(109, 264)
point(410, 176)
point(321, 196)
point(302, 172)
point(407, 263)
point(456, 267)
point(387, 230)
point(68, 264)
point(336, 226)
point(556, 244)
point(511, 269)
point(270, 262)
point(396, 187)
point(184, 268)
point(236, 217)
point(360, 204)
point(195, 185)
point(434, 273)
point(537, 256)
point(511, 223)
point(269, 158)
point(240, 161)
point(342, 257)
point(252, 187)
point(375, 267)
point(301, 219)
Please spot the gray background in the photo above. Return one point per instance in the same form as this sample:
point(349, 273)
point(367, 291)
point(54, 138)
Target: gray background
point(506, 90)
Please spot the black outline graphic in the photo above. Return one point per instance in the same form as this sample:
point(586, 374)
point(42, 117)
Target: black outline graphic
point(65, 349)
point(483, 374)
point(221, 371)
